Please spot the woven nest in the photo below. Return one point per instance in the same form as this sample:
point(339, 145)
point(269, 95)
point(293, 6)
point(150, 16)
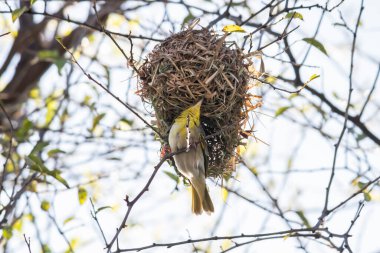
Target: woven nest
point(196, 64)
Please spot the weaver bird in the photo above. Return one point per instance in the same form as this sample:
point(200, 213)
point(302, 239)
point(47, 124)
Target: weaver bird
point(187, 134)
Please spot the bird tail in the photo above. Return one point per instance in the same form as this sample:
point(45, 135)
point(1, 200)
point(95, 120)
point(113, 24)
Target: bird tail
point(207, 204)
point(196, 206)
point(201, 200)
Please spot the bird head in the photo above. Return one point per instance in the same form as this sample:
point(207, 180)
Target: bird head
point(193, 112)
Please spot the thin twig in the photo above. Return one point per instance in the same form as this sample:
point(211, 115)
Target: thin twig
point(304, 232)
point(109, 92)
point(27, 241)
point(325, 210)
point(10, 147)
point(1, 35)
point(370, 92)
point(95, 217)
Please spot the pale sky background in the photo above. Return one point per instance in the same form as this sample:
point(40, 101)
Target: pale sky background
point(163, 215)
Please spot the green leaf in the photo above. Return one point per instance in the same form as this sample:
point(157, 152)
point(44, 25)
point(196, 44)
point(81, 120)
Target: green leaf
point(127, 121)
point(67, 220)
point(290, 163)
point(361, 185)
point(281, 110)
point(36, 164)
point(102, 208)
point(45, 205)
point(361, 136)
point(60, 63)
point(293, 95)
point(46, 248)
point(64, 116)
point(82, 195)
point(7, 233)
point(187, 19)
point(53, 56)
point(316, 43)
point(57, 175)
point(54, 152)
point(172, 176)
point(24, 130)
point(303, 218)
point(113, 158)
point(87, 100)
point(313, 76)
point(96, 121)
point(32, 2)
point(39, 147)
point(18, 12)
point(367, 196)
point(295, 15)
point(48, 54)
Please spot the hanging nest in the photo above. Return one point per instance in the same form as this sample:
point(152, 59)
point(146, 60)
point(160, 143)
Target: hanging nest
point(200, 63)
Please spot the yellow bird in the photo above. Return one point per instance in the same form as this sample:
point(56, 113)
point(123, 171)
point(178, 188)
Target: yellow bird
point(187, 134)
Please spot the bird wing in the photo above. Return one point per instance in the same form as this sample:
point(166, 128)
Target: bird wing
point(203, 144)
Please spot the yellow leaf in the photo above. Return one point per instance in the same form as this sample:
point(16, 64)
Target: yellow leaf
point(64, 116)
point(82, 195)
point(287, 236)
point(226, 244)
point(52, 107)
point(314, 76)
point(367, 196)
point(77, 54)
point(34, 93)
point(355, 181)
point(9, 167)
point(7, 233)
point(233, 28)
point(115, 20)
point(240, 150)
point(294, 15)
point(224, 194)
point(133, 22)
point(254, 171)
point(91, 38)
point(18, 12)
point(17, 225)
point(29, 217)
point(270, 79)
point(14, 33)
point(73, 244)
point(32, 187)
point(66, 31)
point(45, 205)
point(67, 220)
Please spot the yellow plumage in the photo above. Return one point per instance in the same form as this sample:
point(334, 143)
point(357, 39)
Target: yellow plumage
point(187, 133)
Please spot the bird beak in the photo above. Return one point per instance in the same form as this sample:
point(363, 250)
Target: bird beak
point(199, 103)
